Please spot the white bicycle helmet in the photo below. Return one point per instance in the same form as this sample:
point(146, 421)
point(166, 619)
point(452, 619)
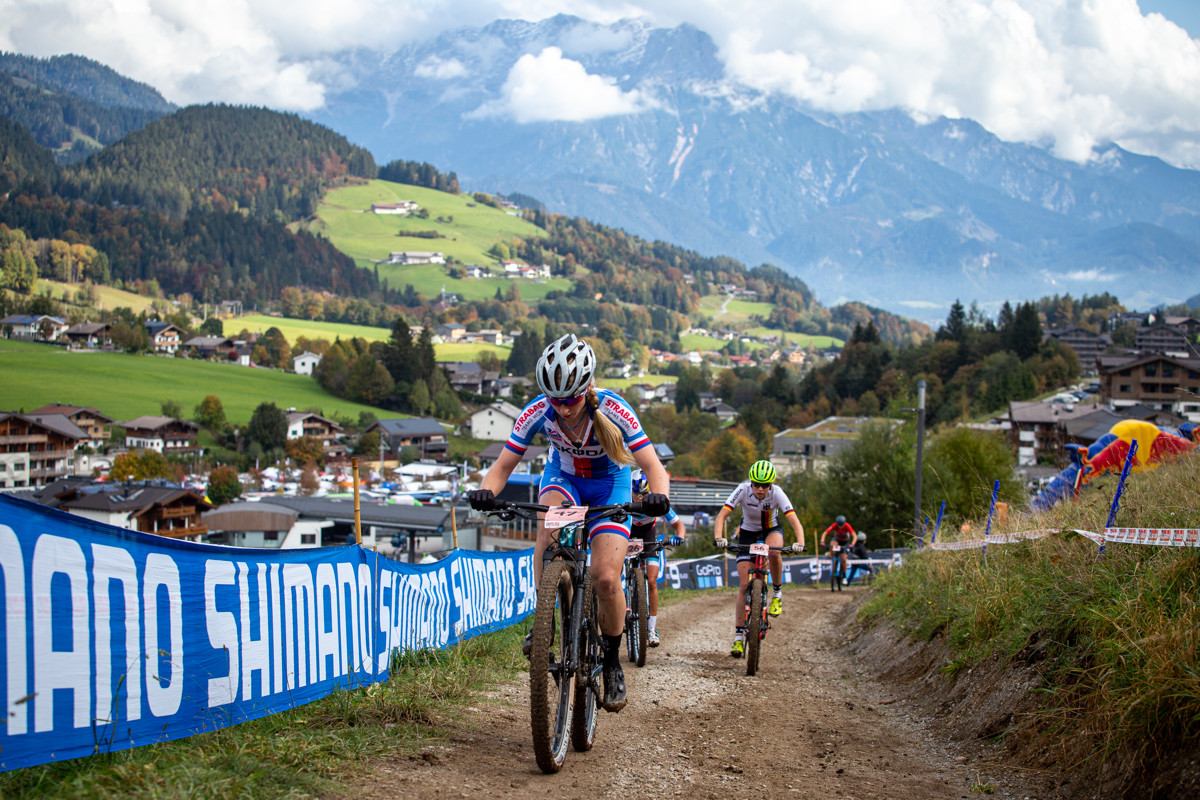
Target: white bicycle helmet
point(566, 367)
point(862, 537)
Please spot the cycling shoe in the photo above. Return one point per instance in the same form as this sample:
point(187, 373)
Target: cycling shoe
point(614, 689)
point(738, 649)
point(527, 645)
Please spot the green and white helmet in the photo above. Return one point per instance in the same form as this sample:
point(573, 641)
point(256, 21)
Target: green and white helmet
point(762, 472)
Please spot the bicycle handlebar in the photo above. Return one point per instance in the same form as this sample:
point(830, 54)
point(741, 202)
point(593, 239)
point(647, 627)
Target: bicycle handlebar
point(745, 548)
point(506, 510)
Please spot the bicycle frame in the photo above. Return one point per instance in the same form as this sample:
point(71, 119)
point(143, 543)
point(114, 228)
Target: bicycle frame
point(552, 708)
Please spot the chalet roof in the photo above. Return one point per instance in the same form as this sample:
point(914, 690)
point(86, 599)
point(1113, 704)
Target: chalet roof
point(1036, 412)
point(248, 516)
point(155, 327)
point(69, 411)
point(209, 341)
point(413, 426)
point(29, 319)
point(149, 422)
point(87, 328)
point(130, 497)
point(504, 407)
point(297, 416)
point(57, 423)
point(1115, 362)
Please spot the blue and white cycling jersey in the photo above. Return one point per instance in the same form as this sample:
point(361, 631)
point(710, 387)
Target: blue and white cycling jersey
point(586, 460)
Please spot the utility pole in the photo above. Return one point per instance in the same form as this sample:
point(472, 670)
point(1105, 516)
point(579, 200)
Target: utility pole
point(920, 454)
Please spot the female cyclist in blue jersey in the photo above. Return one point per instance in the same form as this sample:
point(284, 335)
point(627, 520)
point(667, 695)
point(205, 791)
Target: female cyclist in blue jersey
point(594, 437)
point(764, 507)
point(642, 527)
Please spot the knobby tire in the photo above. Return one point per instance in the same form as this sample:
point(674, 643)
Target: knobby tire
point(754, 625)
point(583, 723)
point(550, 700)
point(631, 610)
point(641, 602)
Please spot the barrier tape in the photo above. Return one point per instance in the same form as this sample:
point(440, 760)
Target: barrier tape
point(1162, 537)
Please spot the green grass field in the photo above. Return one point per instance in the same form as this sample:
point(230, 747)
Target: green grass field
point(620, 384)
point(126, 386)
point(109, 296)
point(468, 231)
point(292, 329)
point(799, 339)
point(738, 313)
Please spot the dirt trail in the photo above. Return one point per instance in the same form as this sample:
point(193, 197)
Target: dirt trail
point(812, 723)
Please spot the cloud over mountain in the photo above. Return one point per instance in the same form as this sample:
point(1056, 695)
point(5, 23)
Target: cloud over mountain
point(1070, 74)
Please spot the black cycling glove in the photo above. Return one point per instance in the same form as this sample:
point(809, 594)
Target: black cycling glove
point(481, 499)
point(656, 505)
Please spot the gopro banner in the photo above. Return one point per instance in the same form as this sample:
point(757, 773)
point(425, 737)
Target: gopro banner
point(116, 639)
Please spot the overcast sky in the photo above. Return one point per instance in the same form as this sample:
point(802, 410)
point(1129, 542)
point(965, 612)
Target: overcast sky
point(1070, 74)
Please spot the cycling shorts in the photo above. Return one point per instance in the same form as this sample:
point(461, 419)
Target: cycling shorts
point(600, 491)
point(750, 537)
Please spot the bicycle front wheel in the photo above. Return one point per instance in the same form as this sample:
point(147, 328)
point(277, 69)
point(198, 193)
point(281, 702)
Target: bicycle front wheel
point(641, 628)
point(583, 722)
point(549, 683)
point(754, 624)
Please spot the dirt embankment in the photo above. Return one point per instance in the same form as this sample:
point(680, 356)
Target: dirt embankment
point(816, 721)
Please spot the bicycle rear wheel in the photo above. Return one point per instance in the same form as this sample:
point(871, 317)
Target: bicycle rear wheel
point(639, 598)
point(754, 624)
point(549, 684)
point(583, 722)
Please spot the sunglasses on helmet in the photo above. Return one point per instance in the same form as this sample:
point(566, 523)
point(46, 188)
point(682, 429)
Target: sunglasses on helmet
point(564, 402)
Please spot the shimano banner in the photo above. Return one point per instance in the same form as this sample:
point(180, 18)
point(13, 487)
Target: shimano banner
point(115, 639)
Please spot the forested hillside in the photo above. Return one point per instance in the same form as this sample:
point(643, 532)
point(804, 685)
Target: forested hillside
point(73, 105)
point(220, 158)
point(22, 158)
point(87, 80)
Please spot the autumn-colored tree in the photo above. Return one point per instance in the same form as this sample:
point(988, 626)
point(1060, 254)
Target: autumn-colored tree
point(211, 414)
point(140, 465)
point(223, 485)
point(306, 450)
point(729, 455)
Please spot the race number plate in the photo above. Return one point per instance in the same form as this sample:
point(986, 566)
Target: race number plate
point(759, 549)
point(635, 547)
point(562, 517)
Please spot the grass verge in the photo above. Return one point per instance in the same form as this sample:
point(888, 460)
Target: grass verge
point(299, 753)
point(1117, 637)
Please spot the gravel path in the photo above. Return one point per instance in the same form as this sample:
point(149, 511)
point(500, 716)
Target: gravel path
point(810, 724)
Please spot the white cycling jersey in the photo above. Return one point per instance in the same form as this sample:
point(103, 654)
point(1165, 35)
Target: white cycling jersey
point(760, 515)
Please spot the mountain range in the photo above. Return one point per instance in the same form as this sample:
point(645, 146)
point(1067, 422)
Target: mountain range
point(874, 207)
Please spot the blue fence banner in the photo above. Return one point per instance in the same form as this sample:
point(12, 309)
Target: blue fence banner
point(709, 572)
point(115, 639)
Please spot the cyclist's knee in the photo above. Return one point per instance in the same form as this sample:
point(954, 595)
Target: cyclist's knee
point(608, 584)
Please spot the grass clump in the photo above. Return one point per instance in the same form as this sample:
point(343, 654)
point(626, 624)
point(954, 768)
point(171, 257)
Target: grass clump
point(1119, 635)
point(297, 753)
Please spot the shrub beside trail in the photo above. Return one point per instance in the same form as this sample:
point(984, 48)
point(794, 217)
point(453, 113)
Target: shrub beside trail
point(1116, 636)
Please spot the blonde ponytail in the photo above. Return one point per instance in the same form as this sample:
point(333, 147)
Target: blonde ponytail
point(607, 432)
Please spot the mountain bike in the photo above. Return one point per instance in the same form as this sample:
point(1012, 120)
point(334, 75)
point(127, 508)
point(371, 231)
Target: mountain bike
point(565, 661)
point(839, 567)
point(757, 621)
point(637, 592)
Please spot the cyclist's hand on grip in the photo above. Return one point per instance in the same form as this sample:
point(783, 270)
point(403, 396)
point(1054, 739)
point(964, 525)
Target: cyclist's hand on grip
point(656, 505)
point(481, 499)
point(721, 543)
point(675, 541)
